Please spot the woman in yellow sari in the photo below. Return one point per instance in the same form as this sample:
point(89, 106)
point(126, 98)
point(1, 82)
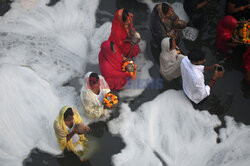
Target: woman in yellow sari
point(67, 131)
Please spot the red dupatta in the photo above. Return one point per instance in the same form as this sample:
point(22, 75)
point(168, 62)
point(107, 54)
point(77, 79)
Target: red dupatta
point(115, 60)
point(118, 31)
point(111, 66)
point(224, 32)
point(119, 34)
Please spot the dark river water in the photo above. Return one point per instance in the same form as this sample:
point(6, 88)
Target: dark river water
point(229, 93)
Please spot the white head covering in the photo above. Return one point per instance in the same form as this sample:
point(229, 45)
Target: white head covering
point(92, 106)
point(165, 44)
point(86, 87)
point(169, 61)
point(86, 81)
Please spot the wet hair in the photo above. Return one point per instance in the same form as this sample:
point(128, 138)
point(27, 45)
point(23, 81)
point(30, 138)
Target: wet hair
point(68, 112)
point(165, 8)
point(196, 55)
point(93, 78)
point(125, 15)
point(112, 46)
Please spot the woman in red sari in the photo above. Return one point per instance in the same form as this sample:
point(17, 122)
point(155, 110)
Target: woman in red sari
point(224, 33)
point(110, 62)
point(122, 25)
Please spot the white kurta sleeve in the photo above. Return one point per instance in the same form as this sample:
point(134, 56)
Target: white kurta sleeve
point(202, 91)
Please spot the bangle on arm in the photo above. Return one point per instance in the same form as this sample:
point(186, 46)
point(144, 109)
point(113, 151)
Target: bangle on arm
point(211, 83)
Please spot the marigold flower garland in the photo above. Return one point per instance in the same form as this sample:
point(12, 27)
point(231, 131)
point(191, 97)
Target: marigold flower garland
point(110, 100)
point(241, 33)
point(245, 30)
point(132, 73)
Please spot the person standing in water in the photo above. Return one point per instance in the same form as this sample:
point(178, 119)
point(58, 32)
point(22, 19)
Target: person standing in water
point(163, 23)
point(92, 94)
point(193, 81)
point(69, 130)
point(122, 32)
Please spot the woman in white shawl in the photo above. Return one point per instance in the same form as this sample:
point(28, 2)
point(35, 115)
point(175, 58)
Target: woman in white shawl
point(170, 60)
point(92, 95)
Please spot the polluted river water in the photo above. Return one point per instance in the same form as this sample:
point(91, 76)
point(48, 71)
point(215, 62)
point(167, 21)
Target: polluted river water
point(45, 52)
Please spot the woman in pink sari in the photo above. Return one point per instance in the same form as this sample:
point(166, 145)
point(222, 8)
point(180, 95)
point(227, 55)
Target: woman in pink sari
point(122, 26)
point(110, 62)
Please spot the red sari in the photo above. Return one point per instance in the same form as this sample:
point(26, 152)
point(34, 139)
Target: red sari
point(224, 32)
point(111, 67)
point(119, 34)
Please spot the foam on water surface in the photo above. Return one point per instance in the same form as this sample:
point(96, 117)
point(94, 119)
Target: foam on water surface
point(28, 108)
point(54, 41)
point(41, 49)
point(168, 131)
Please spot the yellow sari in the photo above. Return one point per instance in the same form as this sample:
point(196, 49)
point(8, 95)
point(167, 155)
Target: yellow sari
point(62, 132)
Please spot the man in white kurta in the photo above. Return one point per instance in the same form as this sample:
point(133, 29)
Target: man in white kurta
point(192, 76)
point(193, 81)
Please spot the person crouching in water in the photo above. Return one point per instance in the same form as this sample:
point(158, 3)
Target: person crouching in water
point(92, 95)
point(110, 62)
point(69, 130)
point(170, 59)
point(164, 23)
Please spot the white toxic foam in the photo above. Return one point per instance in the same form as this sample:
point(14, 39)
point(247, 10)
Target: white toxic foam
point(41, 49)
point(54, 41)
point(101, 34)
point(168, 131)
point(28, 109)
